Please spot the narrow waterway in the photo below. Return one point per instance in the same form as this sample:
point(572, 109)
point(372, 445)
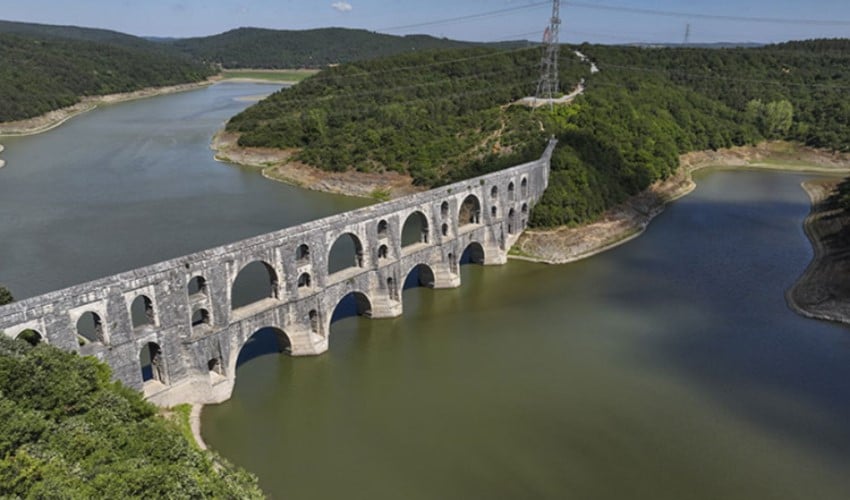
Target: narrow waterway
point(668, 368)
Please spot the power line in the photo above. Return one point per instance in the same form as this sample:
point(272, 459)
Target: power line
point(716, 17)
point(482, 15)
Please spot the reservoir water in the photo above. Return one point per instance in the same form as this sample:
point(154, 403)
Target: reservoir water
point(668, 368)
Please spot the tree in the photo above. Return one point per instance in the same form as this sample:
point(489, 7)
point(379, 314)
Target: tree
point(5, 296)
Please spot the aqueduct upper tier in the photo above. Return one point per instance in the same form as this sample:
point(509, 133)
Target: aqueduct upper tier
point(175, 329)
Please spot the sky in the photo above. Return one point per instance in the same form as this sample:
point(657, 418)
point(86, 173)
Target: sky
point(601, 21)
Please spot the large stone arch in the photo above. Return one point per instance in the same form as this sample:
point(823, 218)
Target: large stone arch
point(416, 229)
point(345, 253)
point(352, 303)
point(261, 342)
point(256, 281)
point(473, 254)
point(469, 212)
point(142, 312)
point(419, 275)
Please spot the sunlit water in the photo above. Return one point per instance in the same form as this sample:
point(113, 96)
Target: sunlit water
point(668, 368)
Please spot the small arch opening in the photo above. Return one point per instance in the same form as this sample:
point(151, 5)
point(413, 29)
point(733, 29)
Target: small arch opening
point(415, 229)
point(383, 229)
point(452, 263)
point(511, 221)
point(215, 367)
point(346, 253)
point(90, 328)
point(201, 317)
point(421, 275)
point(304, 281)
point(511, 191)
point(153, 365)
point(474, 254)
point(445, 229)
point(141, 312)
point(470, 211)
point(524, 221)
point(392, 289)
point(494, 211)
point(302, 254)
point(197, 285)
point(444, 210)
point(494, 192)
point(523, 186)
point(31, 337)
point(314, 321)
point(263, 342)
point(255, 282)
point(383, 252)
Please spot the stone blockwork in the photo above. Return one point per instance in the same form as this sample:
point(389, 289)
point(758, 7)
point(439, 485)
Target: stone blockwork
point(194, 335)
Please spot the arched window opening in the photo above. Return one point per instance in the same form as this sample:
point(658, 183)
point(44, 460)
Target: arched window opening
point(524, 221)
point(153, 366)
point(511, 221)
point(256, 282)
point(302, 254)
point(141, 312)
point(197, 285)
point(304, 281)
point(415, 229)
point(452, 263)
point(214, 366)
point(494, 192)
point(470, 211)
point(511, 192)
point(523, 186)
point(31, 337)
point(383, 229)
point(474, 254)
point(444, 210)
point(90, 328)
point(314, 321)
point(445, 229)
point(421, 275)
point(383, 252)
point(263, 342)
point(392, 289)
point(494, 211)
point(347, 252)
point(200, 317)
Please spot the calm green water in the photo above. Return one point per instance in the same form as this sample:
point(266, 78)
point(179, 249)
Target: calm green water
point(668, 368)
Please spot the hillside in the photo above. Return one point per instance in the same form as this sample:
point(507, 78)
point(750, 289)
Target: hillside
point(41, 73)
point(75, 33)
point(443, 116)
point(265, 48)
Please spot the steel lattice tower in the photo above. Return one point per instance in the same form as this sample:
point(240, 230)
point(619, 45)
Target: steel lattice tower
point(547, 87)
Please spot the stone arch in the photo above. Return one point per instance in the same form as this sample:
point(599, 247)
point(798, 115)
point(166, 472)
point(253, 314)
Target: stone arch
point(415, 229)
point(351, 304)
point(511, 191)
point(201, 318)
point(470, 211)
point(494, 192)
point(215, 367)
point(305, 281)
point(392, 288)
point(444, 210)
point(511, 221)
point(524, 221)
point(264, 341)
point(473, 254)
point(420, 275)
point(523, 187)
point(383, 229)
point(90, 328)
point(197, 285)
point(152, 363)
point(255, 282)
point(445, 229)
point(302, 254)
point(345, 253)
point(142, 312)
point(30, 336)
point(315, 324)
point(383, 252)
point(494, 211)
point(452, 263)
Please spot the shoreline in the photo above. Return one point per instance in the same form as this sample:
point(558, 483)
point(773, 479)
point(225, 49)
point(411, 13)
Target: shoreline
point(52, 119)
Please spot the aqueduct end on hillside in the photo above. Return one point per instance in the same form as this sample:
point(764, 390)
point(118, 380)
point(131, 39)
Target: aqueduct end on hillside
point(175, 329)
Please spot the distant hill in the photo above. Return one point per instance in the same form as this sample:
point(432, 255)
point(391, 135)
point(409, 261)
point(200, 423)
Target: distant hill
point(265, 48)
point(77, 33)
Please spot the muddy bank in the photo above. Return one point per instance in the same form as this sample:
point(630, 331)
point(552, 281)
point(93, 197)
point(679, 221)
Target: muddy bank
point(823, 291)
point(53, 119)
point(279, 165)
point(630, 219)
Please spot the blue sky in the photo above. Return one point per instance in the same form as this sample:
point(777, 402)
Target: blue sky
point(183, 18)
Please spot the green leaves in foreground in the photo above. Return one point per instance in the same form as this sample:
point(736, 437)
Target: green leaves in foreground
point(68, 431)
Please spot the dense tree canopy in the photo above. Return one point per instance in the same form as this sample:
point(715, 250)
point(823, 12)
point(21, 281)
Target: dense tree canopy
point(443, 116)
point(5, 296)
point(67, 431)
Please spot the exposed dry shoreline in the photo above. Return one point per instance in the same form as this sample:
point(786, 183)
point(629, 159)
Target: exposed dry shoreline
point(53, 119)
point(823, 291)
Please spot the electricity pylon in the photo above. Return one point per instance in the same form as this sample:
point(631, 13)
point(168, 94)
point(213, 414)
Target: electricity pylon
point(547, 87)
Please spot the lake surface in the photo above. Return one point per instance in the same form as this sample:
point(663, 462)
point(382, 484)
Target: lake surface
point(668, 368)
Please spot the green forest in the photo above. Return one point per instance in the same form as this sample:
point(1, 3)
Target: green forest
point(68, 431)
point(441, 116)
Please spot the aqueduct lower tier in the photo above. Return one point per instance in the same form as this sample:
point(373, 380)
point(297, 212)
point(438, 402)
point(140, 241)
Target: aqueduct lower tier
point(175, 329)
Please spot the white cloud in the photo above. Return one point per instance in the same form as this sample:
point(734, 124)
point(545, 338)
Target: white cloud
point(342, 6)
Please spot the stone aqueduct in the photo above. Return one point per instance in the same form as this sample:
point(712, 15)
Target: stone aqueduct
point(170, 329)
